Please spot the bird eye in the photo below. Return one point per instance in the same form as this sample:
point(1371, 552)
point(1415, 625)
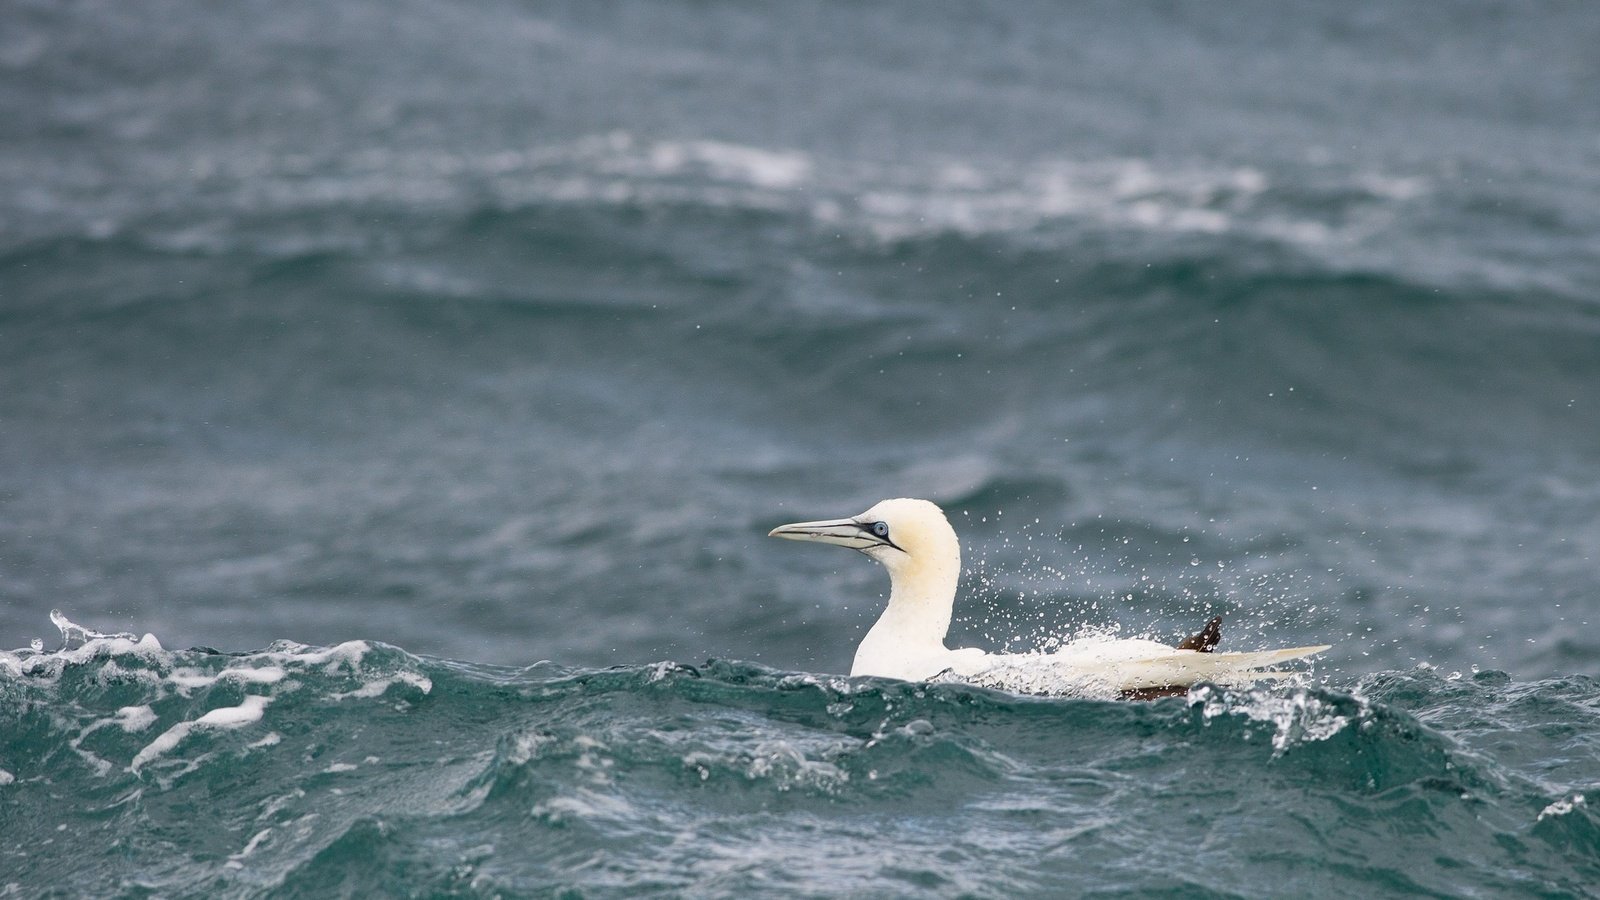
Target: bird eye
point(881, 529)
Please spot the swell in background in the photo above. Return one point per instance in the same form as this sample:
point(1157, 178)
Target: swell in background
point(504, 332)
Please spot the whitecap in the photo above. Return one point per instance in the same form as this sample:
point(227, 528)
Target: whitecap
point(1562, 807)
point(135, 718)
point(188, 679)
point(379, 686)
point(226, 717)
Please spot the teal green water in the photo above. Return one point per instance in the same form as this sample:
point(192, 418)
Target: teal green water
point(362, 770)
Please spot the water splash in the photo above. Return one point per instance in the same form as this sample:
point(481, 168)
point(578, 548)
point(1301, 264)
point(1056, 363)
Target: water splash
point(1297, 716)
point(72, 632)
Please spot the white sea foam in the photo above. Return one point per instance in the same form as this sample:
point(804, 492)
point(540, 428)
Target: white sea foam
point(236, 860)
point(340, 657)
point(585, 803)
point(887, 200)
point(110, 671)
point(1296, 717)
point(6, 778)
point(1562, 807)
point(773, 169)
point(379, 686)
point(787, 768)
point(527, 745)
point(130, 719)
point(50, 665)
point(660, 670)
point(122, 658)
point(226, 717)
point(80, 645)
point(189, 679)
point(135, 718)
point(234, 716)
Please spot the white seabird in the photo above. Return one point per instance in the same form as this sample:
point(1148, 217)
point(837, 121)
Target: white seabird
point(914, 541)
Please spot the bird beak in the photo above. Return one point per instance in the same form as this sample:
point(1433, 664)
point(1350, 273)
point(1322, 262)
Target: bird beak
point(839, 532)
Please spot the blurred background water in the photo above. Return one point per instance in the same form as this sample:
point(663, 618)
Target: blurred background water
point(505, 331)
point(502, 332)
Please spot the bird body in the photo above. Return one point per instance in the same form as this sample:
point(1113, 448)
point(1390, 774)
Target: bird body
point(914, 541)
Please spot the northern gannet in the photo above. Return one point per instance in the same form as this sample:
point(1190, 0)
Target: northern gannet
point(914, 541)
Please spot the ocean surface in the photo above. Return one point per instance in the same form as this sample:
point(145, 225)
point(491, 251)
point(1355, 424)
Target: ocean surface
point(395, 397)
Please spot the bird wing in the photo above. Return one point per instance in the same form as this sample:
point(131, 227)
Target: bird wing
point(1117, 667)
point(1180, 668)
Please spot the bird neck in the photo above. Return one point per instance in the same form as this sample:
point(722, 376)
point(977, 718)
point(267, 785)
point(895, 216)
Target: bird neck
point(921, 598)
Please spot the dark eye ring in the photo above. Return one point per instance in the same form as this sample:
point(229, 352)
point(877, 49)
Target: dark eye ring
point(881, 529)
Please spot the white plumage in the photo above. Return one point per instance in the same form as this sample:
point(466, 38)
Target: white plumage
point(914, 541)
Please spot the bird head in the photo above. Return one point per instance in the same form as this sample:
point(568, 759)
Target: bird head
point(900, 533)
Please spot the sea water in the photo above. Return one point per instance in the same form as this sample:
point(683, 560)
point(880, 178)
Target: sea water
point(363, 770)
point(429, 360)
